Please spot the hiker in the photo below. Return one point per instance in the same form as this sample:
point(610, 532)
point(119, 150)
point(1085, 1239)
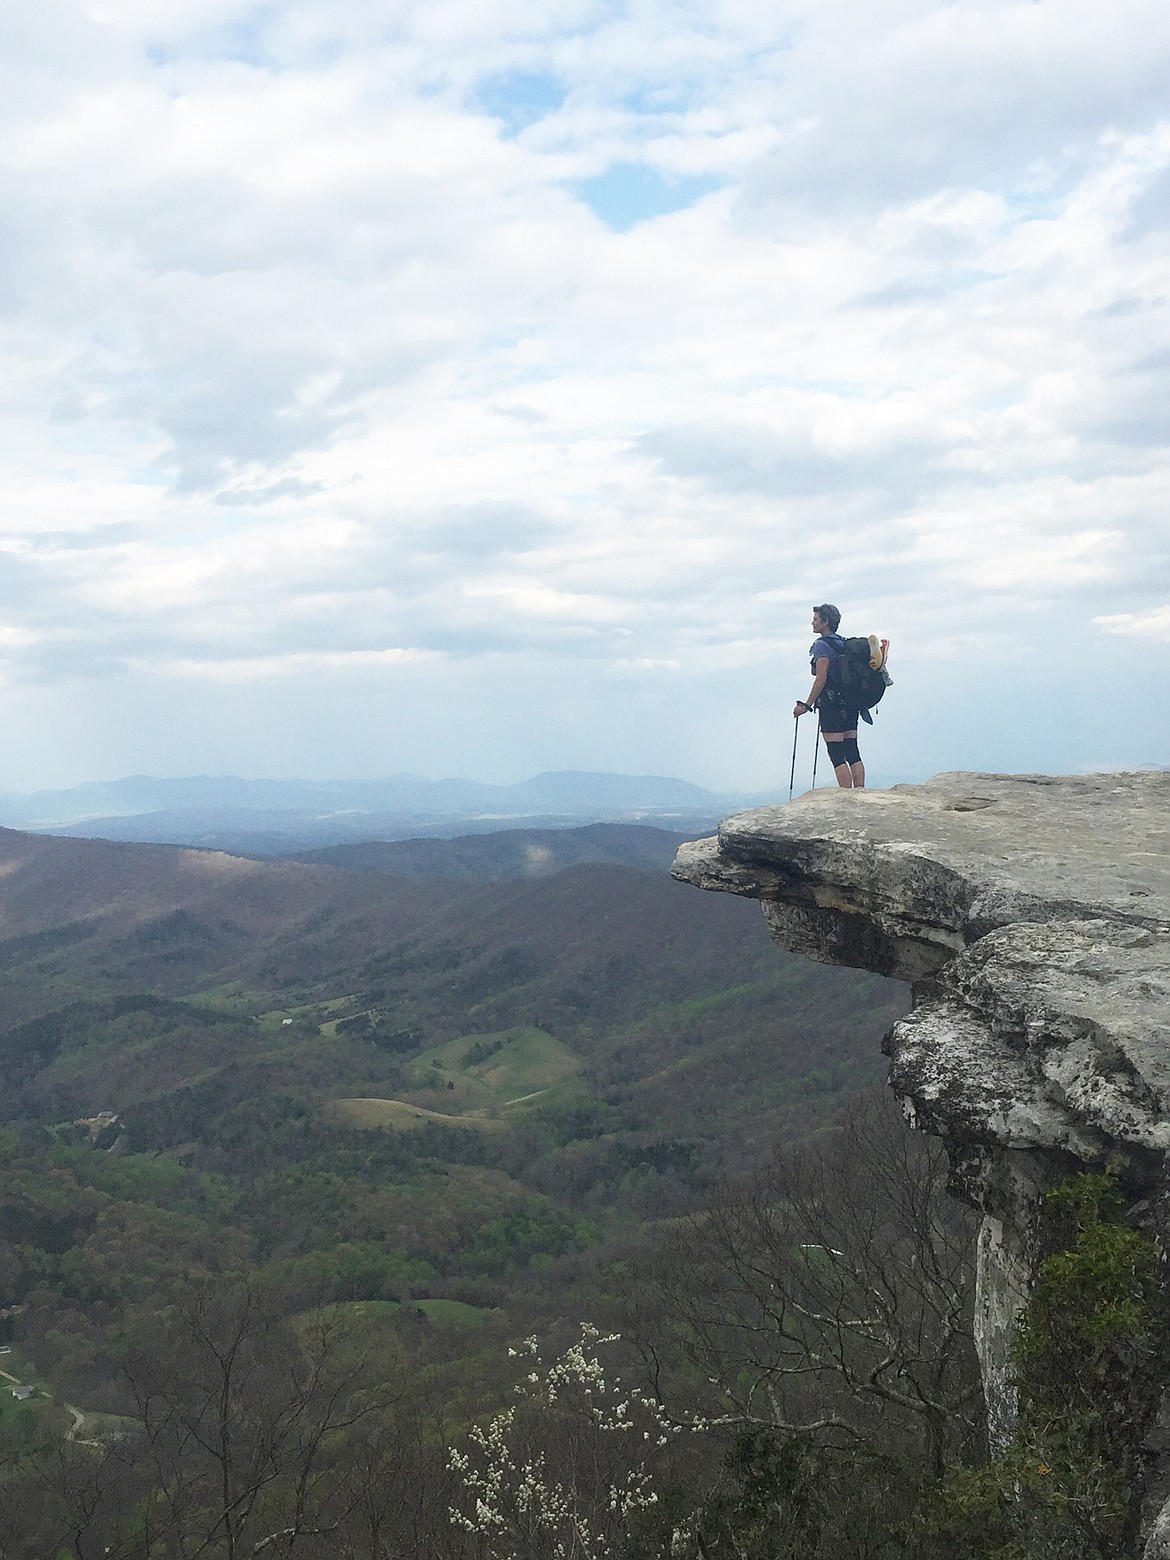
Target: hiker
point(838, 719)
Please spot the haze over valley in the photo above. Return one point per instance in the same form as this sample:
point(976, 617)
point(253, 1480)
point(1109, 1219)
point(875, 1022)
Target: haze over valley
point(276, 817)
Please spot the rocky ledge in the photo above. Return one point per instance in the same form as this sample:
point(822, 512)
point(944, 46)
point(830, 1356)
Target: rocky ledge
point(1032, 914)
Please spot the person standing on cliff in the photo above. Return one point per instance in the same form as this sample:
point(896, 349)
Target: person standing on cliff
point(838, 720)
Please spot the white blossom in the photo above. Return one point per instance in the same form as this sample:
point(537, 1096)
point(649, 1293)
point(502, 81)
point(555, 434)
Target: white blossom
point(530, 1476)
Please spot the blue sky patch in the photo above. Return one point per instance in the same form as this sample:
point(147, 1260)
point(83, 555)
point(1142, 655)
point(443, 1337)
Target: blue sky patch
point(657, 99)
point(242, 38)
point(520, 97)
point(627, 193)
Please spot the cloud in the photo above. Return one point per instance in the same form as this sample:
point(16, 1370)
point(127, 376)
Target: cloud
point(370, 347)
point(1154, 624)
point(643, 666)
point(991, 95)
point(263, 668)
point(786, 462)
point(267, 493)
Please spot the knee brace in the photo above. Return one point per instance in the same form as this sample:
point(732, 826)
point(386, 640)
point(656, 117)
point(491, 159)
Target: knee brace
point(837, 753)
point(843, 752)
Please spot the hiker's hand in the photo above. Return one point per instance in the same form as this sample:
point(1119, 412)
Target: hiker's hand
point(801, 708)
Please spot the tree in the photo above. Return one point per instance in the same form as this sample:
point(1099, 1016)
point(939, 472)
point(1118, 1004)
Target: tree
point(830, 1296)
point(1090, 1353)
point(242, 1415)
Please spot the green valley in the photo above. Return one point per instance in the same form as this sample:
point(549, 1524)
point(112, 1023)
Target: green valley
point(413, 1119)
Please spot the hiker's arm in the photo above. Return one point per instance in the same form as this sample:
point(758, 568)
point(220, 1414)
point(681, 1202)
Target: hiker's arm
point(804, 705)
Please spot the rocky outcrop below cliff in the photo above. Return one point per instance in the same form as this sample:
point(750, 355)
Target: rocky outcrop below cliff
point(1032, 914)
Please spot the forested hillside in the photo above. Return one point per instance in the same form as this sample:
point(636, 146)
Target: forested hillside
point(361, 1134)
point(507, 853)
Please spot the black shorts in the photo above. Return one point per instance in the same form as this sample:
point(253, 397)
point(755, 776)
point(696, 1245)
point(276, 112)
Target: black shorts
point(836, 715)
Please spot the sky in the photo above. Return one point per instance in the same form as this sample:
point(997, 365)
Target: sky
point(464, 388)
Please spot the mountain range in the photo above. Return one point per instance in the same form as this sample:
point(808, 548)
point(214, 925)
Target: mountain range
point(437, 1095)
point(675, 1002)
point(278, 817)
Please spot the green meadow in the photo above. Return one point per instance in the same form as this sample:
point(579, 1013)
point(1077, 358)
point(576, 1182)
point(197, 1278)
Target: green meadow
point(473, 1081)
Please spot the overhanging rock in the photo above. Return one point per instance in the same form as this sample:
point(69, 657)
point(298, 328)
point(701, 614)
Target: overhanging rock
point(1032, 913)
point(899, 881)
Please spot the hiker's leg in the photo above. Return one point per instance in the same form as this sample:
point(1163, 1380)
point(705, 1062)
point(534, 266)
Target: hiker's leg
point(856, 767)
point(834, 743)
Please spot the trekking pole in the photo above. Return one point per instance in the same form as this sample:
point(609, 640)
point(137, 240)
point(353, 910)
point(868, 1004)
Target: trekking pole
point(795, 734)
point(816, 750)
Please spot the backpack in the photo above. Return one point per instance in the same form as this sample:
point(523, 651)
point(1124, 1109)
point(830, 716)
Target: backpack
point(857, 673)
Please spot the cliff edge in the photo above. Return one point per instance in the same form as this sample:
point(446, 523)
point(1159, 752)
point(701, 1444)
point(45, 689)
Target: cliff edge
point(1032, 914)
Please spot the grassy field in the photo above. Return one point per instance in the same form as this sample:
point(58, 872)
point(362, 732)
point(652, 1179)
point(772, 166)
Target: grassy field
point(479, 1072)
point(450, 1311)
point(11, 1410)
point(474, 1081)
point(235, 999)
point(433, 1310)
point(399, 1116)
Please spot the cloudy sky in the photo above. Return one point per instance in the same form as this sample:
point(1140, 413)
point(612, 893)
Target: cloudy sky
point(478, 388)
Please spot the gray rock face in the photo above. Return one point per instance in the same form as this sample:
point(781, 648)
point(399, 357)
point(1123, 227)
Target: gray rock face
point(1033, 914)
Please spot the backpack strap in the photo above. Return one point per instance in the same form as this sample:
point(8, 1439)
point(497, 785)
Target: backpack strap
point(836, 643)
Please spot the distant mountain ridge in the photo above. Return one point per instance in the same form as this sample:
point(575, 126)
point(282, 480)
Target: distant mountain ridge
point(568, 790)
point(281, 817)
